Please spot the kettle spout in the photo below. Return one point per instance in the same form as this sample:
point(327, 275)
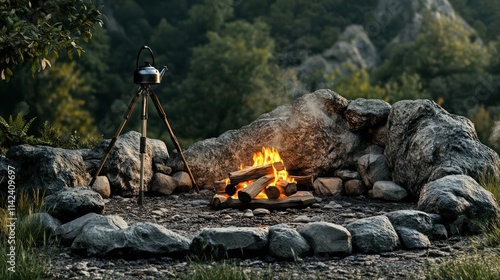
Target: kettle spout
point(162, 72)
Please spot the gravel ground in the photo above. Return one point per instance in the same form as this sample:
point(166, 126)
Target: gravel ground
point(187, 214)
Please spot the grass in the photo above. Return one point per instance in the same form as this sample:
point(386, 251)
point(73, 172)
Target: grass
point(231, 270)
point(31, 257)
point(479, 265)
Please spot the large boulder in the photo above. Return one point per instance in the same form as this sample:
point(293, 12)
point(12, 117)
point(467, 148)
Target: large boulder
point(138, 240)
point(220, 242)
point(70, 230)
point(327, 238)
point(286, 243)
point(412, 219)
point(311, 137)
point(47, 168)
point(123, 164)
point(373, 235)
point(462, 203)
point(426, 143)
point(70, 204)
point(363, 114)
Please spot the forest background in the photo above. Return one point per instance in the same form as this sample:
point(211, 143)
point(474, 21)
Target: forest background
point(231, 60)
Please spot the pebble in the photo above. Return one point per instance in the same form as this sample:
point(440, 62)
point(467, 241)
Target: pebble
point(261, 212)
point(248, 214)
point(157, 212)
point(302, 219)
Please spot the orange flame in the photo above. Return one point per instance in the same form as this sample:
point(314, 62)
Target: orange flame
point(266, 156)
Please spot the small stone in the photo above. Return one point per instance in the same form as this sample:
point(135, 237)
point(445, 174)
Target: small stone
point(184, 183)
point(261, 212)
point(248, 214)
point(302, 219)
point(388, 190)
point(157, 212)
point(316, 219)
point(101, 186)
point(354, 187)
point(328, 186)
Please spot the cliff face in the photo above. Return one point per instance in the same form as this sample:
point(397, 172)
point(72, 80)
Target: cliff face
point(355, 45)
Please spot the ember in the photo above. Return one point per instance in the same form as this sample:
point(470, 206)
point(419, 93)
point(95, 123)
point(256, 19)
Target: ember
point(265, 183)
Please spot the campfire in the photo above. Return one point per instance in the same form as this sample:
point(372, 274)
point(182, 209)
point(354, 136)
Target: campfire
point(265, 184)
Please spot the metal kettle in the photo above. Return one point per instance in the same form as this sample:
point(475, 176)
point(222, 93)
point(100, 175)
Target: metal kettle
point(147, 74)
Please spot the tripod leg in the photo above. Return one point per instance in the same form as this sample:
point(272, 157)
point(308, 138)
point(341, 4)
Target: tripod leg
point(126, 116)
point(162, 114)
point(142, 148)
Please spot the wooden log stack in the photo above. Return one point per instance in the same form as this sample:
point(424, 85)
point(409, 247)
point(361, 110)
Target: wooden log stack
point(249, 182)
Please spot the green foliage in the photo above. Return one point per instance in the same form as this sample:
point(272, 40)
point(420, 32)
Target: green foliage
point(31, 31)
point(355, 85)
point(227, 270)
point(32, 255)
point(229, 82)
point(482, 123)
point(57, 137)
point(472, 267)
point(15, 132)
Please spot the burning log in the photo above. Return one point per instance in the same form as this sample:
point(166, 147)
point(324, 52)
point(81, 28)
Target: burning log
point(273, 192)
point(230, 190)
point(254, 172)
point(306, 181)
point(287, 187)
point(247, 194)
point(220, 186)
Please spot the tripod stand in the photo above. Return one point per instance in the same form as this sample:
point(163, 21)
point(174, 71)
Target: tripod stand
point(145, 76)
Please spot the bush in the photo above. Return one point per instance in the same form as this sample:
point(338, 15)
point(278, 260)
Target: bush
point(32, 257)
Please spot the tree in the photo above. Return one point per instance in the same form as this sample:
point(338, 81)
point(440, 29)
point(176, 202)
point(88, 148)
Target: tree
point(355, 84)
point(31, 31)
point(446, 56)
point(229, 82)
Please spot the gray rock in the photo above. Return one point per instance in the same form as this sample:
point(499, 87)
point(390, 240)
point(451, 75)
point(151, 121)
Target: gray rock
point(379, 135)
point(327, 238)
point(70, 204)
point(412, 239)
point(123, 164)
point(138, 240)
point(261, 212)
point(286, 243)
point(353, 47)
point(160, 151)
point(163, 169)
point(426, 143)
point(354, 187)
point(412, 219)
point(219, 242)
point(184, 183)
point(331, 186)
point(363, 114)
point(347, 175)
point(47, 168)
point(439, 232)
point(373, 235)
point(373, 168)
point(320, 144)
point(388, 190)
point(69, 231)
point(413, 13)
point(101, 186)
point(460, 201)
point(163, 184)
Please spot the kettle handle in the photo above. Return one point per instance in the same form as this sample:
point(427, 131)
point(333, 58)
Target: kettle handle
point(138, 54)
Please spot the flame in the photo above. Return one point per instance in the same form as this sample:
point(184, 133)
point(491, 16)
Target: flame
point(266, 156)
